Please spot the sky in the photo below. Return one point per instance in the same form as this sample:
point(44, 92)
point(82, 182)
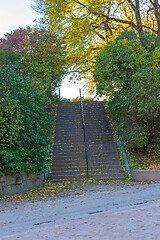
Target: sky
point(18, 13)
point(15, 14)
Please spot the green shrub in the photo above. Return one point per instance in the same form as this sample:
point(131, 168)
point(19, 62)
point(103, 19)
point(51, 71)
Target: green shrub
point(129, 74)
point(26, 120)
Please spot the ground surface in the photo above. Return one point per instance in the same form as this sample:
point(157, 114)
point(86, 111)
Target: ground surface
point(99, 212)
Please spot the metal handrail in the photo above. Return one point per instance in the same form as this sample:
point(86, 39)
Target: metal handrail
point(84, 132)
point(124, 157)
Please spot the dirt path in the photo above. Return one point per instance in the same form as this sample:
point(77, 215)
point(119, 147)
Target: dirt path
point(94, 212)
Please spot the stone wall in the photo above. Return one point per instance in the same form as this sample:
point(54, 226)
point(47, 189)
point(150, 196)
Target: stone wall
point(145, 175)
point(21, 183)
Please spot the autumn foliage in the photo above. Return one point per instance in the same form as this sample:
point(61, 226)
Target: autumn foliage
point(29, 75)
point(86, 25)
point(15, 39)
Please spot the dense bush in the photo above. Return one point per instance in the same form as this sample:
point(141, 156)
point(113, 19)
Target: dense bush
point(129, 75)
point(30, 71)
point(26, 125)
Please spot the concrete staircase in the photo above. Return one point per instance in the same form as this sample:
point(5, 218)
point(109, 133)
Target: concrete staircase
point(69, 161)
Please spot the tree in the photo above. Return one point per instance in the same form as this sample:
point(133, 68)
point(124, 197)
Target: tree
point(15, 39)
point(31, 67)
point(87, 25)
point(25, 124)
point(10, 117)
point(128, 73)
point(42, 54)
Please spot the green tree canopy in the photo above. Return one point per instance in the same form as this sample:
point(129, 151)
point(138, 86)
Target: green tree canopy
point(129, 74)
point(44, 58)
point(86, 25)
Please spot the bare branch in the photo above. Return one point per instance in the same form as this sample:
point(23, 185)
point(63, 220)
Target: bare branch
point(38, 6)
point(131, 4)
point(157, 14)
point(124, 21)
point(153, 30)
point(101, 36)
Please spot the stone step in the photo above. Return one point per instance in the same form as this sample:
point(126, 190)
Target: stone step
point(70, 140)
point(80, 169)
point(69, 172)
point(69, 121)
point(68, 152)
point(57, 178)
point(92, 152)
point(105, 156)
point(69, 161)
point(68, 148)
point(76, 176)
point(79, 177)
point(75, 165)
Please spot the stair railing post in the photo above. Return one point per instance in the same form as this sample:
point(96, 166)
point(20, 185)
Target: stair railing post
point(84, 133)
point(59, 93)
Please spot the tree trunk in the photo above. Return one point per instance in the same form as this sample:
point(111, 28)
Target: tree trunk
point(138, 18)
point(139, 26)
point(157, 14)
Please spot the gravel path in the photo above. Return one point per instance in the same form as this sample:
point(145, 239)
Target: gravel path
point(99, 212)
